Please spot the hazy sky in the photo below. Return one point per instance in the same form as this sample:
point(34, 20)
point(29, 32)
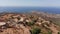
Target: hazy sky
point(43, 3)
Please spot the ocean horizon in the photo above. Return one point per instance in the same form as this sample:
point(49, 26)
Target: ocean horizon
point(53, 10)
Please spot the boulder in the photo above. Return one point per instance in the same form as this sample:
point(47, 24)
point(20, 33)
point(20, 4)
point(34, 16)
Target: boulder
point(2, 23)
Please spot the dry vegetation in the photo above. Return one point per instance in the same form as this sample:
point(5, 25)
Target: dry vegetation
point(31, 23)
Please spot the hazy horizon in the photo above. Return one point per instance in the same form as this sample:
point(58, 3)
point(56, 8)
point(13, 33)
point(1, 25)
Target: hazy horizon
point(32, 3)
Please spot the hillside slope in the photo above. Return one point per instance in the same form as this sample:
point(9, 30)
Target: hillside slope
point(31, 23)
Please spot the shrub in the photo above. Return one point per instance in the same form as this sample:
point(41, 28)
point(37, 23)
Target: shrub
point(18, 18)
point(35, 31)
point(49, 32)
point(58, 32)
point(30, 23)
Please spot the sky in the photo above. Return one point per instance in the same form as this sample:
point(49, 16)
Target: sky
point(40, 3)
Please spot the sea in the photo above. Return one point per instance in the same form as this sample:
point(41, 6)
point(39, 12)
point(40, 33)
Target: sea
point(53, 10)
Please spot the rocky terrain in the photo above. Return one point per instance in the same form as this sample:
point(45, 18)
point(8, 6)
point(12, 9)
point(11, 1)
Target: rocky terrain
point(30, 23)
